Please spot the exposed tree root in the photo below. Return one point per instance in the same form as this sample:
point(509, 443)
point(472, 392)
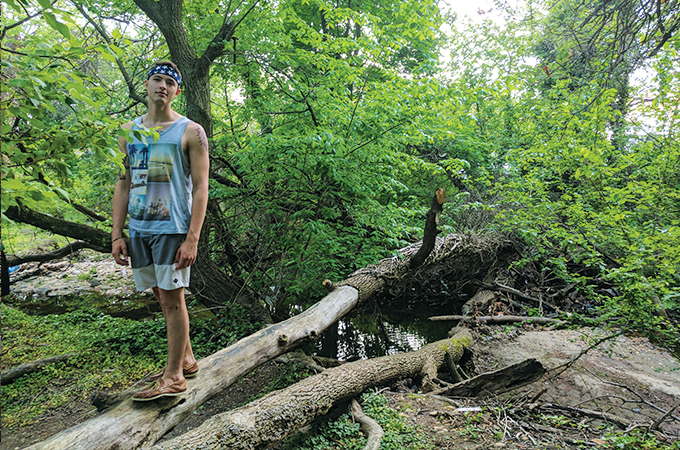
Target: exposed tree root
point(374, 432)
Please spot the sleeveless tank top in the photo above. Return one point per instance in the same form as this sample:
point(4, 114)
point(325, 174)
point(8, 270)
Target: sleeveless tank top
point(160, 191)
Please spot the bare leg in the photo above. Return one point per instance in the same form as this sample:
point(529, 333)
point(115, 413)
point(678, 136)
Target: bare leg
point(180, 354)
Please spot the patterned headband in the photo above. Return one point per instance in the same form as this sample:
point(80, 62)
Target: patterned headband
point(165, 70)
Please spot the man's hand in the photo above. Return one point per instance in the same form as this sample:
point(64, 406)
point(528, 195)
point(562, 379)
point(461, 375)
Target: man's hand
point(119, 252)
point(186, 254)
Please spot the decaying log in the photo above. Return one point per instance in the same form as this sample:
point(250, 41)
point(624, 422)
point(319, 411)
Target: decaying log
point(129, 425)
point(279, 414)
point(496, 382)
point(15, 372)
point(498, 319)
point(373, 431)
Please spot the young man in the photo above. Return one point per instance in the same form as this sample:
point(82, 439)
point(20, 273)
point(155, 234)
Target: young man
point(165, 191)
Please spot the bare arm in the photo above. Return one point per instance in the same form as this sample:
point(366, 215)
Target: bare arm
point(197, 150)
point(121, 196)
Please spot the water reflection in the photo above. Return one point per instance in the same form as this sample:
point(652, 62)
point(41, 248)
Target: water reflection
point(372, 335)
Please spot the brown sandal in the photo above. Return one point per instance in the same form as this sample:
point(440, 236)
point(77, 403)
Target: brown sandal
point(189, 372)
point(159, 389)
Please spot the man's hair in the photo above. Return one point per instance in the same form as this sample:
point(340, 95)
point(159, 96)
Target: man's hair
point(167, 63)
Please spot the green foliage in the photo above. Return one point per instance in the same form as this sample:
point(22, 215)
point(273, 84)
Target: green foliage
point(19, 239)
point(343, 432)
point(53, 109)
point(587, 186)
point(638, 439)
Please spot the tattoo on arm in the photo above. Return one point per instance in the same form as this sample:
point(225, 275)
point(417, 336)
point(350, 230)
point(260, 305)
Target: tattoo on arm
point(126, 164)
point(202, 138)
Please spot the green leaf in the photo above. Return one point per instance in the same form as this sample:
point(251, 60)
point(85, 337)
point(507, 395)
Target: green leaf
point(59, 26)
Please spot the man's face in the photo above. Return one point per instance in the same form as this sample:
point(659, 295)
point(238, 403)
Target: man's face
point(161, 88)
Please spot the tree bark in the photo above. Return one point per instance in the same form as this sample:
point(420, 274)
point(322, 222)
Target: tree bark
point(496, 382)
point(269, 419)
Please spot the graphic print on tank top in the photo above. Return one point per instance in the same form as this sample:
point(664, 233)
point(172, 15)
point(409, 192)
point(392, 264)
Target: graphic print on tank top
point(150, 193)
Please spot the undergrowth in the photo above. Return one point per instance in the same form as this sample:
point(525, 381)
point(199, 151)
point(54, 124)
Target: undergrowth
point(110, 354)
point(342, 432)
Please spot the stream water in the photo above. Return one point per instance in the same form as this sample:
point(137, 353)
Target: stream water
point(387, 331)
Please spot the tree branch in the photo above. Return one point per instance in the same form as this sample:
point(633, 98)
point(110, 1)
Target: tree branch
point(99, 240)
point(56, 254)
point(126, 76)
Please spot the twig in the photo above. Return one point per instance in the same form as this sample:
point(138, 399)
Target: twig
point(571, 362)
point(634, 392)
point(657, 422)
point(618, 421)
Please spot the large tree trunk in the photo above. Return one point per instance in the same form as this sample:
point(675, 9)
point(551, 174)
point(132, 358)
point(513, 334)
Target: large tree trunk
point(269, 419)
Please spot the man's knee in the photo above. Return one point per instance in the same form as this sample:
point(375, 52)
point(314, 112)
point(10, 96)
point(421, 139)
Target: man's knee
point(170, 298)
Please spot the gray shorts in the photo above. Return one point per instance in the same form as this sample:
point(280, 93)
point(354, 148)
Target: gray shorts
point(152, 258)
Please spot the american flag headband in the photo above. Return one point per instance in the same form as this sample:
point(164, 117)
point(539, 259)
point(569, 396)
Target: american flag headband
point(165, 70)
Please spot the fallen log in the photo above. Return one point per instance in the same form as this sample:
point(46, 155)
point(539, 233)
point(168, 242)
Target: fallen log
point(269, 419)
point(15, 372)
point(496, 382)
point(130, 425)
point(497, 319)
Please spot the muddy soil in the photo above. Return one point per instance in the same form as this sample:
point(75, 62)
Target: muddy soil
point(626, 376)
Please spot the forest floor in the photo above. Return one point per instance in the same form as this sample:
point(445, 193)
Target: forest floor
point(628, 377)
